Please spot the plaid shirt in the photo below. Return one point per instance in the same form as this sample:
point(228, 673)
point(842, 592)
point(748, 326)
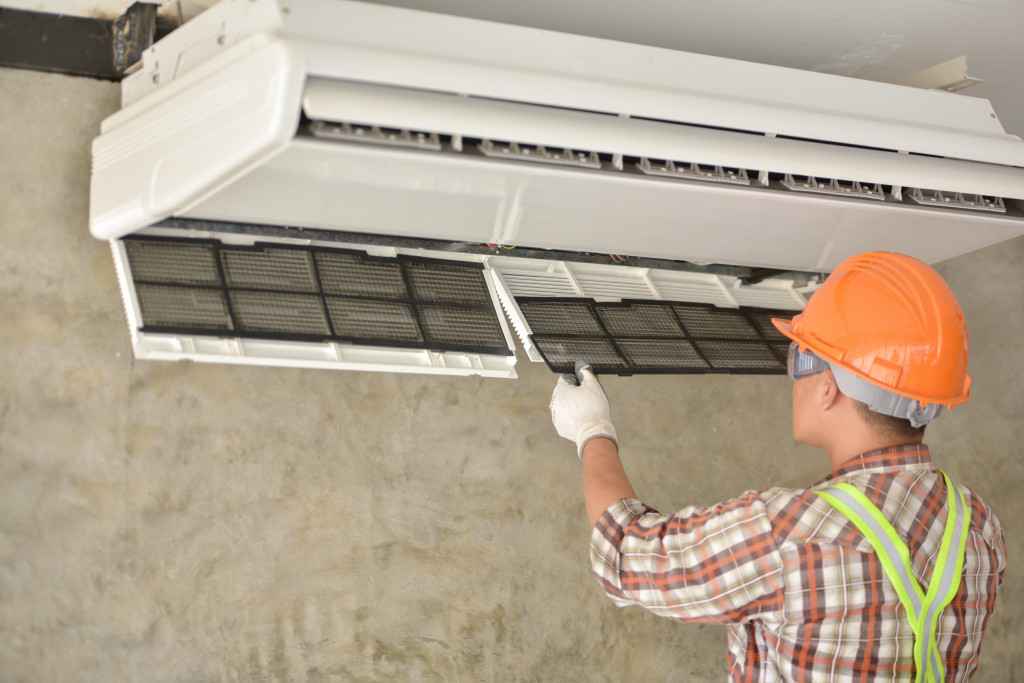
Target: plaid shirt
point(804, 595)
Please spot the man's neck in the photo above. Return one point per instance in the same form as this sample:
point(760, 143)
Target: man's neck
point(847, 449)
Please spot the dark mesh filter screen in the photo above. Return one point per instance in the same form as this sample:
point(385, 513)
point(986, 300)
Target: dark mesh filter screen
point(279, 313)
point(187, 307)
point(715, 322)
point(654, 320)
point(661, 353)
point(561, 353)
point(313, 294)
point(278, 269)
point(448, 324)
point(349, 275)
point(739, 355)
point(655, 336)
point(454, 284)
point(189, 264)
point(561, 317)
point(763, 321)
point(373, 319)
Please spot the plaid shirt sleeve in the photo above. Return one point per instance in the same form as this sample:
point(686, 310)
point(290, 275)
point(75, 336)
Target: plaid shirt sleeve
point(715, 564)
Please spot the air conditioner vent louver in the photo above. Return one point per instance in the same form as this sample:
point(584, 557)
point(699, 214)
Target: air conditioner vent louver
point(312, 294)
point(833, 187)
point(686, 171)
point(956, 200)
point(395, 137)
point(655, 336)
point(692, 171)
point(539, 153)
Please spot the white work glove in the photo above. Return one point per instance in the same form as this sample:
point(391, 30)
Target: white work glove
point(579, 408)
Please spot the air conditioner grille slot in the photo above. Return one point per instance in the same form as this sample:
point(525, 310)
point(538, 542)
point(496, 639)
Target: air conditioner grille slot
point(316, 294)
point(538, 284)
point(655, 336)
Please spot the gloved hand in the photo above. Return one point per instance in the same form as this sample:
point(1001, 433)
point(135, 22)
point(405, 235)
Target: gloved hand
point(579, 408)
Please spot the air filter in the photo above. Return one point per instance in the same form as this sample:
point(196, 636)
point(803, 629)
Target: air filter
point(633, 337)
point(314, 294)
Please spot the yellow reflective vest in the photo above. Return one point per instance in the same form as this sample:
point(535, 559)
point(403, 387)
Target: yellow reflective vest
point(923, 608)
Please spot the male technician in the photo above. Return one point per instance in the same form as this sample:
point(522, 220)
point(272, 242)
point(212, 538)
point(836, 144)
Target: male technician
point(886, 569)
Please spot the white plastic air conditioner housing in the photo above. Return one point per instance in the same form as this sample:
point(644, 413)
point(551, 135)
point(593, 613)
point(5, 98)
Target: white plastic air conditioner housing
point(217, 124)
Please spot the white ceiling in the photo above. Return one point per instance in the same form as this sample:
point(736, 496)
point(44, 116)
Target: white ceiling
point(872, 39)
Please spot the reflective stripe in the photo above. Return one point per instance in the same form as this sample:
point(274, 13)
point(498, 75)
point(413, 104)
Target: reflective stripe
point(946, 575)
point(922, 609)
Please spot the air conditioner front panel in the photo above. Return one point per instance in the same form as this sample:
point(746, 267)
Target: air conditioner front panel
point(219, 122)
point(359, 188)
point(462, 197)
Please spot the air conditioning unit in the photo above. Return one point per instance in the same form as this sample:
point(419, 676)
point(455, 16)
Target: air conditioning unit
point(339, 116)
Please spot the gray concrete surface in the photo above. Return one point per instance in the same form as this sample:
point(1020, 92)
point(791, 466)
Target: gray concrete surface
point(177, 522)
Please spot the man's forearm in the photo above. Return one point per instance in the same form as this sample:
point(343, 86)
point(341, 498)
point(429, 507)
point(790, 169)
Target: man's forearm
point(604, 478)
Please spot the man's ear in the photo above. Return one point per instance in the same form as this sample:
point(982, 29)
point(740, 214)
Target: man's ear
point(829, 391)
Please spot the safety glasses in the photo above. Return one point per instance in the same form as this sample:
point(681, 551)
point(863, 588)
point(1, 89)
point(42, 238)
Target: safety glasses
point(802, 364)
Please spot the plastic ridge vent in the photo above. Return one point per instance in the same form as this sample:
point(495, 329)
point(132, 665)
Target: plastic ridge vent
point(645, 337)
point(315, 294)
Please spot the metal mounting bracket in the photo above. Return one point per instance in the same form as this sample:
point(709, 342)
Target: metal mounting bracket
point(77, 46)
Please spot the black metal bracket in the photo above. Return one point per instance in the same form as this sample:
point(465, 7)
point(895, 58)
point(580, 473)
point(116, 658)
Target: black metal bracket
point(78, 46)
point(133, 32)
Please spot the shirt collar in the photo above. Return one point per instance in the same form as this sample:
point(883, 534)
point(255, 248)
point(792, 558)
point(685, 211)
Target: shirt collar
point(897, 458)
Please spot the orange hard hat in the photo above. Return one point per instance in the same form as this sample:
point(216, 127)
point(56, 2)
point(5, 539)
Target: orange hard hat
point(889, 319)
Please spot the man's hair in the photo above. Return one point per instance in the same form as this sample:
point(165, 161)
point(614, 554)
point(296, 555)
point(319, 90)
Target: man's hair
point(888, 425)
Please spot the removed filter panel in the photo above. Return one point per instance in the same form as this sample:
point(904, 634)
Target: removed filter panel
point(654, 316)
point(634, 337)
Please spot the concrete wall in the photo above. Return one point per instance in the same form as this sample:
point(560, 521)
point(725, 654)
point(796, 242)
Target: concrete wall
point(177, 522)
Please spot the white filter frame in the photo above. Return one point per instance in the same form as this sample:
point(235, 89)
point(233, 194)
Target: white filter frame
point(328, 355)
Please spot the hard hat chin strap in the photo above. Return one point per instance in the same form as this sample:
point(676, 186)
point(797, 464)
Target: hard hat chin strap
point(882, 400)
